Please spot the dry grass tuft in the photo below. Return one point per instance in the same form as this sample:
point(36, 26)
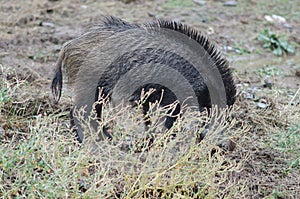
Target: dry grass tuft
point(42, 159)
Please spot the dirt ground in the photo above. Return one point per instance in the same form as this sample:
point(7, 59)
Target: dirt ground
point(33, 31)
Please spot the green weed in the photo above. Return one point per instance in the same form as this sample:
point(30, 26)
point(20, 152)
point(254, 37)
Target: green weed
point(4, 95)
point(276, 43)
point(271, 71)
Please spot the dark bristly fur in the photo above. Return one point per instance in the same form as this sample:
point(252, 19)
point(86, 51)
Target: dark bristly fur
point(74, 52)
point(221, 63)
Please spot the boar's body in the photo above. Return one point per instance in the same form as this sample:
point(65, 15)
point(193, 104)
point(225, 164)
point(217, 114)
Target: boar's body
point(108, 51)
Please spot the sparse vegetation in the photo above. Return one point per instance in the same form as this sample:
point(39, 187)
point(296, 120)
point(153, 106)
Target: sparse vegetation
point(47, 162)
point(269, 71)
point(40, 158)
point(240, 50)
point(4, 98)
point(276, 43)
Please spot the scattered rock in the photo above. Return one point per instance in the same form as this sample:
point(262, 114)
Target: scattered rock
point(230, 3)
point(248, 95)
point(127, 1)
point(297, 73)
point(210, 31)
point(49, 11)
point(200, 2)
point(268, 83)
point(84, 7)
point(275, 19)
point(268, 18)
point(152, 15)
point(288, 26)
point(261, 105)
point(279, 19)
point(47, 24)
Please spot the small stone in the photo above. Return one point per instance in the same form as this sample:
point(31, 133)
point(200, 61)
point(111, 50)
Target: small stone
point(47, 24)
point(275, 19)
point(279, 19)
point(288, 26)
point(248, 95)
point(210, 31)
point(297, 73)
point(151, 15)
point(127, 1)
point(268, 83)
point(269, 19)
point(229, 48)
point(230, 3)
point(200, 2)
point(261, 105)
point(84, 7)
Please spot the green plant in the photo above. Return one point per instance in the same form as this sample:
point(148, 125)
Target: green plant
point(268, 70)
point(239, 49)
point(288, 141)
point(277, 43)
point(4, 93)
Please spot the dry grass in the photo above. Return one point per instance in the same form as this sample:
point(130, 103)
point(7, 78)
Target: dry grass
point(41, 159)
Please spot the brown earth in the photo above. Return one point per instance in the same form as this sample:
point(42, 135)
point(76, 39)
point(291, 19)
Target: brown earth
point(32, 33)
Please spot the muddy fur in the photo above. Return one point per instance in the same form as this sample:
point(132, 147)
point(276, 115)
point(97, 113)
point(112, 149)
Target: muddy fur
point(90, 63)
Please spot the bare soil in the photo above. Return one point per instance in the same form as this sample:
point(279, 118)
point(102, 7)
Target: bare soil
point(33, 31)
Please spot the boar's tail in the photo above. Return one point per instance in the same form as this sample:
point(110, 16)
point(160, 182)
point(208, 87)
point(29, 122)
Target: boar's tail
point(56, 85)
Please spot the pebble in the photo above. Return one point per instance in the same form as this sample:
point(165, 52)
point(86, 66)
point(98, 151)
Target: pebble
point(288, 26)
point(268, 83)
point(279, 19)
point(297, 73)
point(200, 2)
point(248, 95)
point(210, 31)
point(275, 19)
point(230, 3)
point(261, 105)
point(47, 24)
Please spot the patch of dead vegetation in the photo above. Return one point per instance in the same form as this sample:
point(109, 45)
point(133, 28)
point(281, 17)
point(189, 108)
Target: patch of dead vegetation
point(255, 169)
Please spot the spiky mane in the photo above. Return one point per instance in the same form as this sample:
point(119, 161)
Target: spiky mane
point(216, 56)
point(114, 24)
